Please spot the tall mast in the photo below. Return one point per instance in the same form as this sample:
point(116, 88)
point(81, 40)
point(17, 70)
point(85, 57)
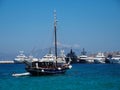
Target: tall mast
point(55, 31)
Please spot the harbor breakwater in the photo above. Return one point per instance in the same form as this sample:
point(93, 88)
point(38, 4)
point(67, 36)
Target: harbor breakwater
point(6, 62)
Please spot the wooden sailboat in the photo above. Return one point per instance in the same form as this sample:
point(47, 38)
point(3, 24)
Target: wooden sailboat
point(49, 64)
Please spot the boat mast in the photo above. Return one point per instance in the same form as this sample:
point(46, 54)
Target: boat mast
point(55, 31)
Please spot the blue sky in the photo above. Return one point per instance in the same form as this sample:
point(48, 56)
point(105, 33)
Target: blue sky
point(90, 24)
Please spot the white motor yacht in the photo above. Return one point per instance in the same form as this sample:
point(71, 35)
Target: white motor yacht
point(83, 58)
point(100, 58)
point(20, 58)
point(115, 59)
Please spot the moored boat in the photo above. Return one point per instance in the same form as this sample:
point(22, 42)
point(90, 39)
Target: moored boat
point(83, 58)
point(100, 58)
point(114, 60)
point(20, 58)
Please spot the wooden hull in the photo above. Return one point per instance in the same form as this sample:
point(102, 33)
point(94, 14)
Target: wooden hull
point(39, 72)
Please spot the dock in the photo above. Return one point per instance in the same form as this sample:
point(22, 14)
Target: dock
point(6, 62)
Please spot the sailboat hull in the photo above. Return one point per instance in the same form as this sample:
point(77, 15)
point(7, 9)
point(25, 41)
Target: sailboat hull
point(39, 72)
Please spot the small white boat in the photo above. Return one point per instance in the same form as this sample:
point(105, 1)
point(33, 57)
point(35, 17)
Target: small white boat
point(21, 74)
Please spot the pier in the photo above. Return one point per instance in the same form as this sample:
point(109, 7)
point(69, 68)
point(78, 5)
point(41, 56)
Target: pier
point(6, 62)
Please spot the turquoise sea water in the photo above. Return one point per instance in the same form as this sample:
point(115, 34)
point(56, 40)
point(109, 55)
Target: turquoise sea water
point(80, 77)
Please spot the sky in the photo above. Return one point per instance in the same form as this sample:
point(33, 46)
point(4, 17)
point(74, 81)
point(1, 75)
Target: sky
point(90, 24)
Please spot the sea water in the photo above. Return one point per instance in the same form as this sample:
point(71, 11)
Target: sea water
point(80, 77)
